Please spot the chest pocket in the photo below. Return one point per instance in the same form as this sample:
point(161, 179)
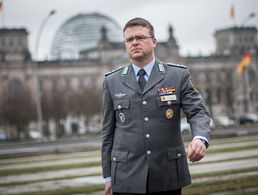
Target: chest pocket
point(121, 108)
point(168, 110)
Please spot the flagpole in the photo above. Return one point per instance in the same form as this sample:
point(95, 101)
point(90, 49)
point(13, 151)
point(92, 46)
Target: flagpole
point(245, 91)
point(232, 14)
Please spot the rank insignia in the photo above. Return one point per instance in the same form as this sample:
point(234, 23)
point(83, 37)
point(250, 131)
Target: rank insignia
point(169, 113)
point(161, 67)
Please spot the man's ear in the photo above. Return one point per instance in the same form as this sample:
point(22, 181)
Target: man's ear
point(154, 41)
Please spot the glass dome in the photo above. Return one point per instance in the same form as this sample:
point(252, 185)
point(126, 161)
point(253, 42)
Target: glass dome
point(83, 32)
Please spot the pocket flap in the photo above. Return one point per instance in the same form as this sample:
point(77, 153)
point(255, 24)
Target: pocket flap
point(174, 153)
point(121, 104)
point(119, 156)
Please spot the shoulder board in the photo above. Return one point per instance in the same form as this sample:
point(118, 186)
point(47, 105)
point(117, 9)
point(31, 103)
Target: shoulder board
point(177, 65)
point(113, 71)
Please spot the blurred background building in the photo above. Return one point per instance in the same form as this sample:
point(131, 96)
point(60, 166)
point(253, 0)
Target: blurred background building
point(82, 32)
point(87, 46)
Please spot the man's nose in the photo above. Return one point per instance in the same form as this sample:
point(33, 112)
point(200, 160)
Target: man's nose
point(135, 41)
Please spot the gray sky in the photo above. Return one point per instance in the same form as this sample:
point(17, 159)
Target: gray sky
point(194, 21)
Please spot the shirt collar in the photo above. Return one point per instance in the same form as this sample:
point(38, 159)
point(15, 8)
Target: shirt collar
point(148, 67)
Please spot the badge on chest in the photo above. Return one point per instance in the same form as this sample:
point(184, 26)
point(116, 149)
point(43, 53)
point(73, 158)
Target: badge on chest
point(166, 94)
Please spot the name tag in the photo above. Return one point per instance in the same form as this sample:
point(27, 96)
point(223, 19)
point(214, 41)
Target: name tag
point(166, 98)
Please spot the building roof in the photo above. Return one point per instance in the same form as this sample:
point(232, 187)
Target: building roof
point(13, 30)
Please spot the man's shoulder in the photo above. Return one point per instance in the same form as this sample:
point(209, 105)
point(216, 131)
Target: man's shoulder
point(117, 70)
point(177, 65)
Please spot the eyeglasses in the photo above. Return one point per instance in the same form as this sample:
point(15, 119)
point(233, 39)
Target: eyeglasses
point(137, 38)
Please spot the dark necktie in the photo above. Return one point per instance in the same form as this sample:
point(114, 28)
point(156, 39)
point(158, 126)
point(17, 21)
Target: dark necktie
point(141, 80)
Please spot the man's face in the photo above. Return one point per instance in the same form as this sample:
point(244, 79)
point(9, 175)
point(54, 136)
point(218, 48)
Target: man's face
point(139, 43)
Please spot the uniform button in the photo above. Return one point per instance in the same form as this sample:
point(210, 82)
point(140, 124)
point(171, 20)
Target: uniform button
point(147, 135)
point(148, 152)
point(169, 103)
point(114, 159)
point(146, 119)
point(144, 102)
point(179, 155)
point(119, 107)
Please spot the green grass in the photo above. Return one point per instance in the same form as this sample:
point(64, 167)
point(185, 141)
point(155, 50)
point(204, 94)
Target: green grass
point(232, 149)
point(234, 139)
point(47, 168)
point(224, 173)
point(226, 160)
point(45, 158)
point(220, 186)
point(67, 191)
point(52, 179)
point(234, 185)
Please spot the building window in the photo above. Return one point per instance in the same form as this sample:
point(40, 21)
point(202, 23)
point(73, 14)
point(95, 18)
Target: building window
point(14, 84)
point(41, 84)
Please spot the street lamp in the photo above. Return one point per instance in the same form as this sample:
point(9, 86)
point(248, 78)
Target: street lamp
point(51, 13)
point(245, 20)
point(36, 81)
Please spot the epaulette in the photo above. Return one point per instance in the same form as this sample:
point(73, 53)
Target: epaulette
point(113, 71)
point(177, 65)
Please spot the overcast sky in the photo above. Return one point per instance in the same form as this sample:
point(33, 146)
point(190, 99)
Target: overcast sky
point(194, 21)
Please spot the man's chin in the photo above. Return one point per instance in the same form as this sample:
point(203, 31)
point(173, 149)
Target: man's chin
point(137, 56)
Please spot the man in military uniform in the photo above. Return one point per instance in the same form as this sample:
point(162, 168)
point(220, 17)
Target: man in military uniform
point(142, 147)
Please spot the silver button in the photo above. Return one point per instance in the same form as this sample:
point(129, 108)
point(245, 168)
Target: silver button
point(144, 102)
point(114, 159)
point(169, 103)
point(146, 119)
point(119, 107)
point(148, 152)
point(179, 155)
point(147, 135)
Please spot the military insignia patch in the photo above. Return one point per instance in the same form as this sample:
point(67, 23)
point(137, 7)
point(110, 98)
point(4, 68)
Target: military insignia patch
point(161, 68)
point(169, 113)
point(119, 95)
point(122, 117)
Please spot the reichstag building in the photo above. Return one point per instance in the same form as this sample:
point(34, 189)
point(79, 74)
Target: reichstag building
point(68, 86)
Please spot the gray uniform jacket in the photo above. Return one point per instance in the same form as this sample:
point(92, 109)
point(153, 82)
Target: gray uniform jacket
point(141, 138)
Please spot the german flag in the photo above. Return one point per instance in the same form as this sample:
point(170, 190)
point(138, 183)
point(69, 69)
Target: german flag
point(244, 62)
point(232, 12)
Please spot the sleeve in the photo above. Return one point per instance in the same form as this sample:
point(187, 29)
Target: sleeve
point(108, 129)
point(193, 106)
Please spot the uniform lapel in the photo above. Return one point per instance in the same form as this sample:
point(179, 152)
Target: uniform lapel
point(155, 77)
point(129, 80)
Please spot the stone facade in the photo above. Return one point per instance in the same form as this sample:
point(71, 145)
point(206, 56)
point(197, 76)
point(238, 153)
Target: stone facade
point(224, 91)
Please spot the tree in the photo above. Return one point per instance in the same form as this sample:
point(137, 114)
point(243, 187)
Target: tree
point(17, 107)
